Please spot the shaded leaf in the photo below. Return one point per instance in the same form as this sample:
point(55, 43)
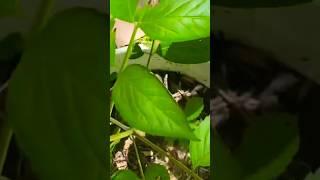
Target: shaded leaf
point(224, 163)
point(176, 20)
point(269, 146)
point(194, 52)
point(123, 9)
point(57, 97)
point(9, 7)
point(136, 52)
point(156, 172)
point(147, 105)
point(200, 150)
point(193, 108)
point(125, 175)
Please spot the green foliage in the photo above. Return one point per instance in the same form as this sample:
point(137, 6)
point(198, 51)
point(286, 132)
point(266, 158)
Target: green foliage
point(176, 21)
point(156, 172)
point(224, 163)
point(200, 150)
point(124, 175)
point(194, 52)
point(147, 105)
point(9, 7)
point(124, 10)
point(136, 52)
point(57, 100)
point(193, 108)
point(268, 146)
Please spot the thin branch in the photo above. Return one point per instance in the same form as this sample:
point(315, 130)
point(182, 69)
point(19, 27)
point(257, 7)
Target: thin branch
point(138, 158)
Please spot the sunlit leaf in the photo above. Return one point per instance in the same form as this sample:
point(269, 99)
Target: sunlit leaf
point(176, 20)
point(123, 9)
point(200, 150)
point(147, 105)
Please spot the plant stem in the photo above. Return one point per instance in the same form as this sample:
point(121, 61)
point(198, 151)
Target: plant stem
point(159, 149)
point(151, 52)
point(171, 158)
point(119, 136)
point(119, 124)
point(138, 158)
point(129, 50)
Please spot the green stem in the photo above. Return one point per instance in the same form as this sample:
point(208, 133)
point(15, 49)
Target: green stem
point(138, 159)
point(122, 135)
point(171, 158)
point(159, 149)
point(151, 52)
point(119, 124)
point(126, 58)
point(130, 47)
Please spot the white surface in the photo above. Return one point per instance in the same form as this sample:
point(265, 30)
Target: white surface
point(201, 72)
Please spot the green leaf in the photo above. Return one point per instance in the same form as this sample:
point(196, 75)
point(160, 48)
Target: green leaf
point(156, 172)
point(112, 43)
point(193, 108)
point(125, 174)
point(136, 52)
point(57, 97)
point(268, 146)
point(258, 3)
point(147, 105)
point(194, 52)
point(224, 165)
point(200, 150)
point(123, 9)
point(9, 7)
point(176, 20)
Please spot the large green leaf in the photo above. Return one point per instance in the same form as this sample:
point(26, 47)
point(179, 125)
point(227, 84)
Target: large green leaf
point(9, 7)
point(147, 105)
point(258, 3)
point(200, 150)
point(125, 175)
point(123, 9)
point(224, 164)
point(194, 52)
point(156, 172)
point(176, 20)
point(57, 101)
point(268, 146)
